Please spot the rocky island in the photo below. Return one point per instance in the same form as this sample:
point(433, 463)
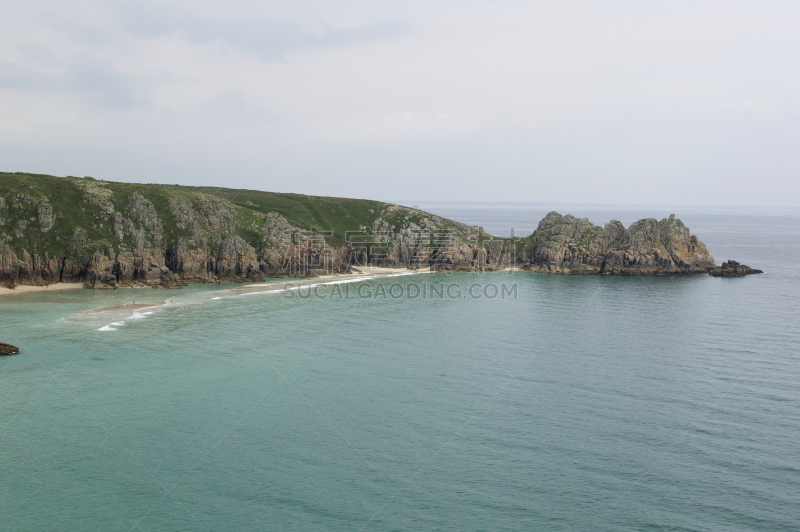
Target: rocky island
point(8, 349)
point(104, 234)
point(565, 244)
point(732, 268)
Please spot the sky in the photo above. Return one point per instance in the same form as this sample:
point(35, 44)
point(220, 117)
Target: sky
point(648, 102)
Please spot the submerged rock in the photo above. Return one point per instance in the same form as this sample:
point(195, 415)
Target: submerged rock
point(732, 268)
point(8, 349)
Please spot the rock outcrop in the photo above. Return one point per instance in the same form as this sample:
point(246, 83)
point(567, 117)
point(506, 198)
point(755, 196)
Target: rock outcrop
point(45, 215)
point(732, 268)
point(565, 244)
point(8, 349)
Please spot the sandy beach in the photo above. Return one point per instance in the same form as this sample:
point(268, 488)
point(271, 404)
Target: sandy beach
point(365, 272)
point(22, 289)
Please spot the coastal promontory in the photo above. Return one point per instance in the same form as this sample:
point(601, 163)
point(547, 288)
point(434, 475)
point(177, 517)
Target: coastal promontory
point(106, 234)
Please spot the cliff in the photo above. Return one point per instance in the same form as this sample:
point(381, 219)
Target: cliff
point(107, 235)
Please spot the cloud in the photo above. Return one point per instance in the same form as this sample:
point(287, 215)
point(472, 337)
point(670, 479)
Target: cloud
point(272, 40)
point(756, 106)
point(589, 112)
point(83, 74)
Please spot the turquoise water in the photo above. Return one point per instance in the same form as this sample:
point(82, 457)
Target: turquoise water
point(585, 403)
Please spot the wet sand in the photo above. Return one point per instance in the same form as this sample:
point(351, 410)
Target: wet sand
point(131, 306)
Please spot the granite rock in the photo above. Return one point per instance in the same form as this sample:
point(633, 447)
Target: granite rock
point(565, 244)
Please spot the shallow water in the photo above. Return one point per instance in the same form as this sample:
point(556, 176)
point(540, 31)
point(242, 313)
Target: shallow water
point(583, 403)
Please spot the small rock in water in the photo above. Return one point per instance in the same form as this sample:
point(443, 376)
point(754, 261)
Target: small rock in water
point(732, 268)
point(8, 349)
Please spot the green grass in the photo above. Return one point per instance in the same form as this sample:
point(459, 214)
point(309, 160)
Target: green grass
point(71, 210)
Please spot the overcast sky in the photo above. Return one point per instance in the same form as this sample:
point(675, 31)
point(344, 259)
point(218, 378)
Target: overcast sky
point(627, 102)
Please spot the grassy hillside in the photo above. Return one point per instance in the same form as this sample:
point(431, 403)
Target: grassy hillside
point(90, 205)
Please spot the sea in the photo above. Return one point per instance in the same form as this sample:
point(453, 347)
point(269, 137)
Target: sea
point(446, 401)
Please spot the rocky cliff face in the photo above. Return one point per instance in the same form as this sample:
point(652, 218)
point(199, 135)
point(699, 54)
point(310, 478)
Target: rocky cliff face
point(565, 244)
point(108, 235)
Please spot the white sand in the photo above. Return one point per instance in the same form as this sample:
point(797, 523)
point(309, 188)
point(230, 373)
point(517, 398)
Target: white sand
point(374, 270)
point(366, 272)
point(21, 289)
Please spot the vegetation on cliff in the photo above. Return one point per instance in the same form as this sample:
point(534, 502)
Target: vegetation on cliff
point(81, 229)
point(42, 200)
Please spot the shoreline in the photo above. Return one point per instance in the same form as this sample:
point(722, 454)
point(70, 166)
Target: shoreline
point(365, 271)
